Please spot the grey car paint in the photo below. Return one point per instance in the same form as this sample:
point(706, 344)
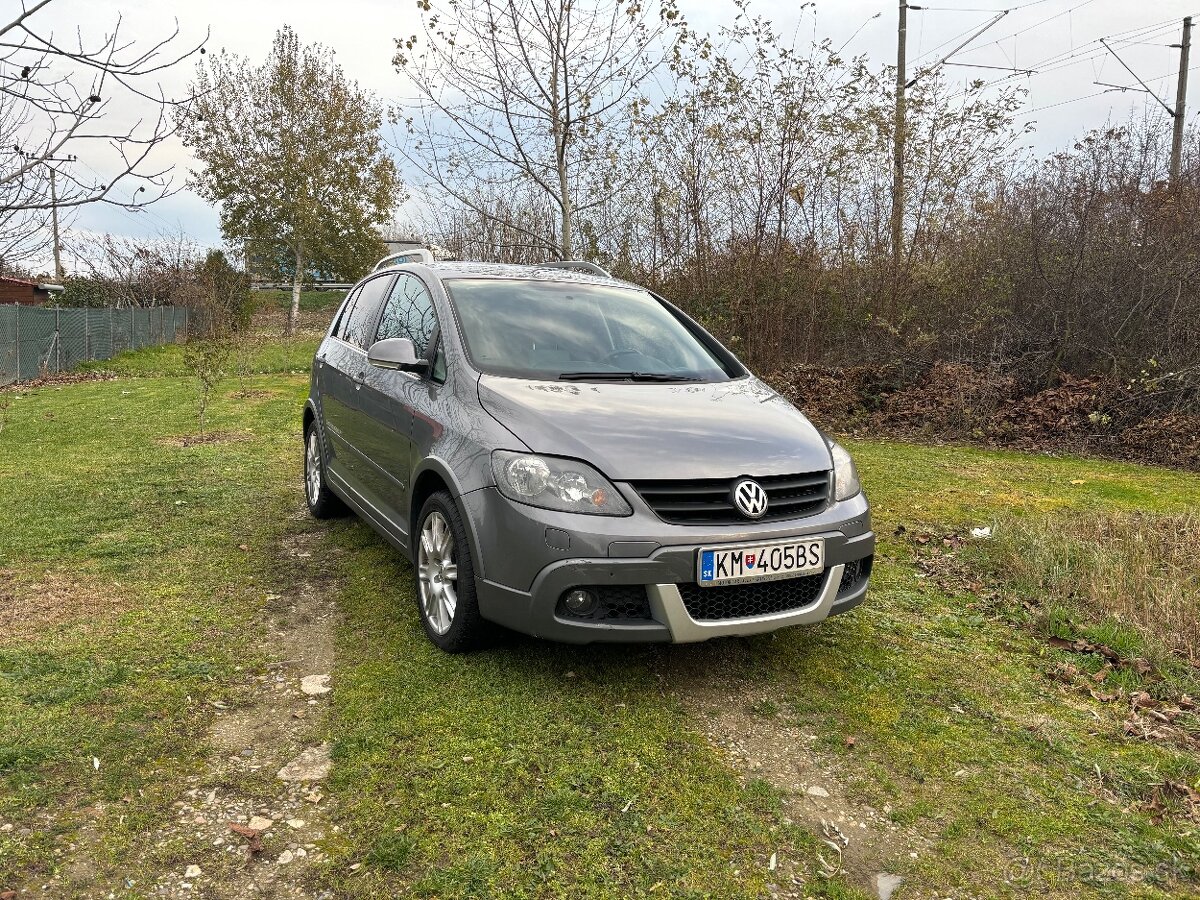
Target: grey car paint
point(638, 431)
point(389, 437)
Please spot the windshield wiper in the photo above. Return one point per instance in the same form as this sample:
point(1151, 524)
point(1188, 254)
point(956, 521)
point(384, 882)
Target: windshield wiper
point(624, 376)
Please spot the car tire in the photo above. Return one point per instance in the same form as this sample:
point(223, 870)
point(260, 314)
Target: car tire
point(322, 502)
point(444, 576)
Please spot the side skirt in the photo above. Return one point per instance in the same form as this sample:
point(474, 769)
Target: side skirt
point(394, 535)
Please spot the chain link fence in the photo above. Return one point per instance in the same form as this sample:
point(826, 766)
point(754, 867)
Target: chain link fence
point(37, 341)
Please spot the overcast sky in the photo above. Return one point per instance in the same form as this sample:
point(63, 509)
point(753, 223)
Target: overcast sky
point(361, 33)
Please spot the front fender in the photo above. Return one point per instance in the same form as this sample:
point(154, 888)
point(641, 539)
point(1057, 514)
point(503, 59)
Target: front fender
point(457, 488)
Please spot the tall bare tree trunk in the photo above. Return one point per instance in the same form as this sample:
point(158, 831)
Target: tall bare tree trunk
point(297, 275)
point(565, 187)
point(559, 127)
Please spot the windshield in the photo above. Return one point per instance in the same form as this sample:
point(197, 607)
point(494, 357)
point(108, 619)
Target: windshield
point(576, 331)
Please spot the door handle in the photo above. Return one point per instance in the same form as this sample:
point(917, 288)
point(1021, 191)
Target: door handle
point(358, 380)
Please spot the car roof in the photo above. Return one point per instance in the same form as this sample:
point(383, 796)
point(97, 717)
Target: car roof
point(505, 271)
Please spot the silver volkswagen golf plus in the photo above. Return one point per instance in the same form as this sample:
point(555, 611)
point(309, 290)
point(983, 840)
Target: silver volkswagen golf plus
point(571, 456)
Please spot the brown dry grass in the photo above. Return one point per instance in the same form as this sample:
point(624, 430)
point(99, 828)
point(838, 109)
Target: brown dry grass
point(271, 321)
point(209, 437)
point(28, 609)
point(1137, 569)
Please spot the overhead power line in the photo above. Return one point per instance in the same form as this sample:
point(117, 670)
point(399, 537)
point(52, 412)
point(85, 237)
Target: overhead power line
point(1065, 59)
point(974, 34)
point(1012, 69)
point(1170, 110)
point(1112, 88)
point(1030, 112)
point(988, 9)
point(1038, 24)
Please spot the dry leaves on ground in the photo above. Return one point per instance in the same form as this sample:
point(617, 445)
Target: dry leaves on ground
point(252, 835)
point(1162, 795)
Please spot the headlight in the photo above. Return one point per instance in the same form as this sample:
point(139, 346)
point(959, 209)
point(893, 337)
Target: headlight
point(845, 476)
point(551, 483)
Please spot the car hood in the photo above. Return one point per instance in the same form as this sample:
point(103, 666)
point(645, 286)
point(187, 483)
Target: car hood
point(660, 431)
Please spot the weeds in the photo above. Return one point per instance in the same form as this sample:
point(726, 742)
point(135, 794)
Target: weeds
point(1129, 577)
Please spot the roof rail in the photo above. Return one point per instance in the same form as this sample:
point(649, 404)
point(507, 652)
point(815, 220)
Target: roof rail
point(415, 255)
point(577, 264)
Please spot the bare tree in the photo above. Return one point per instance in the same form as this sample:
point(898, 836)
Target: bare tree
point(531, 94)
point(219, 299)
point(57, 99)
point(132, 272)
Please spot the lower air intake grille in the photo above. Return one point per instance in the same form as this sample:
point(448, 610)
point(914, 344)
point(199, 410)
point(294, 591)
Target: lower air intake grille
point(856, 572)
point(739, 601)
point(616, 603)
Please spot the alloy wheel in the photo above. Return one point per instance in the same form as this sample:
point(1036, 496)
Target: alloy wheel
point(312, 468)
point(437, 570)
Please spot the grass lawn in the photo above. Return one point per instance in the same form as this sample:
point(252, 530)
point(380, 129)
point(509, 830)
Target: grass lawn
point(130, 606)
point(136, 569)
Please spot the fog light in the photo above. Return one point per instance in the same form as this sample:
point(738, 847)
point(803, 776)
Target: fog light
point(579, 603)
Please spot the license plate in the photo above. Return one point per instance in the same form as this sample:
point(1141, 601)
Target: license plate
point(761, 562)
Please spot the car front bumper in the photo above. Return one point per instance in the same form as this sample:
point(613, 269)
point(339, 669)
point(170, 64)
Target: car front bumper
point(528, 558)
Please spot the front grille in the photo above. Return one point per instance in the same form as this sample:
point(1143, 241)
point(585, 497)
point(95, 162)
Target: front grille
point(615, 602)
point(710, 501)
point(738, 601)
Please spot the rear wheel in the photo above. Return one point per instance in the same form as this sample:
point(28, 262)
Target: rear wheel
point(322, 502)
point(445, 575)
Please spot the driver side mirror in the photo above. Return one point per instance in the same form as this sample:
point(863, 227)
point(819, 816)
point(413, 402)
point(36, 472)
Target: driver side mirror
point(396, 353)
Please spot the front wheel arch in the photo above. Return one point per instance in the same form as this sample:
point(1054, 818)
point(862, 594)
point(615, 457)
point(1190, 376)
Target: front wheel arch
point(468, 630)
point(431, 476)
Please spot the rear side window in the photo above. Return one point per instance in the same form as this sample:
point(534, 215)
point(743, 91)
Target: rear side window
point(339, 327)
point(408, 313)
point(356, 329)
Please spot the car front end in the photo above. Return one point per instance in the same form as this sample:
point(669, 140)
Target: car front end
point(581, 578)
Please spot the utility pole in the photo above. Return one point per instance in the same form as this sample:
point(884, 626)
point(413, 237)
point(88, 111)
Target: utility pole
point(1180, 111)
point(899, 129)
point(49, 161)
point(58, 269)
point(903, 83)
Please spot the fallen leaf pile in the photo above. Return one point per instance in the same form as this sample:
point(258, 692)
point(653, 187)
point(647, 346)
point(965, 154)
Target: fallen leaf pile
point(1139, 665)
point(1157, 720)
point(940, 563)
point(947, 401)
point(1158, 805)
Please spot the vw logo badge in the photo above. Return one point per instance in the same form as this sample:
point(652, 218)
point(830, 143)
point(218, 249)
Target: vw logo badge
point(750, 498)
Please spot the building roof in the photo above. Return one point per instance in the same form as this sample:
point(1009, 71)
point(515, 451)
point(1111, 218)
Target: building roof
point(36, 285)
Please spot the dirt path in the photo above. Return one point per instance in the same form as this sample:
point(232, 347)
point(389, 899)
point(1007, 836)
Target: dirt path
point(264, 773)
point(747, 723)
point(268, 762)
